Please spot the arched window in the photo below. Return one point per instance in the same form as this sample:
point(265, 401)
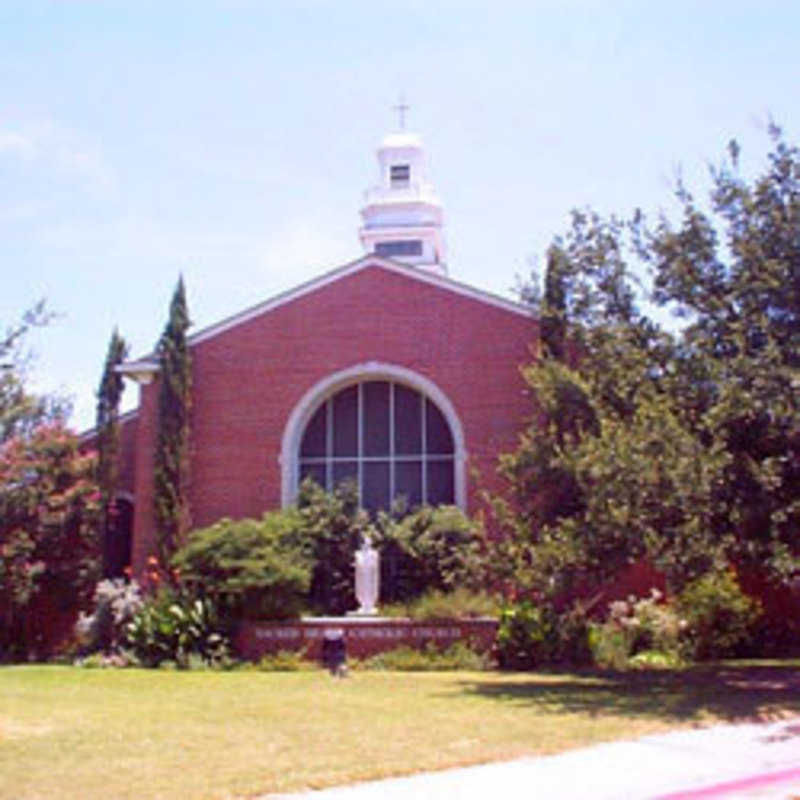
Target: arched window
point(389, 438)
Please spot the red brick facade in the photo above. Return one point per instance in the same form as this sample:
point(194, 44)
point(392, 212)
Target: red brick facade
point(251, 372)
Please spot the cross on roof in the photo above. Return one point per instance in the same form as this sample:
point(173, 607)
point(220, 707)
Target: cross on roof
point(401, 109)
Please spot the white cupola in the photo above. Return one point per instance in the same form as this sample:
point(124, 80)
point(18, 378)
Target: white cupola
point(402, 214)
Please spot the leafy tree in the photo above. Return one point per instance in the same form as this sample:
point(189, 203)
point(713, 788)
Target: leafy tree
point(552, 317)
point(596, 488)
point(48, 504)
point(107, 425)
point(49, 556)
point(680, 448)
point(171, 475)
point(21, 411)
point(741, 296)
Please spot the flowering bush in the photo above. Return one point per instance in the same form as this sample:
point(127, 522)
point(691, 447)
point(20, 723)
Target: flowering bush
point(49, 548)
point(116, 602)
point(639, 632)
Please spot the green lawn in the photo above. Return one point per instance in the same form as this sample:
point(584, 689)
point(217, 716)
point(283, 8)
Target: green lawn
point(77, 733)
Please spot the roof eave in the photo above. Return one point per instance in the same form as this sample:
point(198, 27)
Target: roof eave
point(141, 371)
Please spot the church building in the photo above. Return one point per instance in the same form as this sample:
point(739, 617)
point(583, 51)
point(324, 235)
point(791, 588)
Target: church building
point(386, 370)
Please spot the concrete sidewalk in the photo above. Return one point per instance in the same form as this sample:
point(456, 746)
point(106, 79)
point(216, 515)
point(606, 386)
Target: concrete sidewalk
point(728, 761)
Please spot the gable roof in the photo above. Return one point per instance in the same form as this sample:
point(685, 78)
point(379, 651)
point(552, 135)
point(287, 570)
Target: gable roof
point(149, 364)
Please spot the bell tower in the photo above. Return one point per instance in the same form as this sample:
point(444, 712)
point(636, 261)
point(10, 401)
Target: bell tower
point(402, 215)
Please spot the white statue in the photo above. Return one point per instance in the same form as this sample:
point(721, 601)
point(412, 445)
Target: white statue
point(368, 576)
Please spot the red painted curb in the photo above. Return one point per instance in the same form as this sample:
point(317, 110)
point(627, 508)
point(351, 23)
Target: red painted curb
point(720, 789)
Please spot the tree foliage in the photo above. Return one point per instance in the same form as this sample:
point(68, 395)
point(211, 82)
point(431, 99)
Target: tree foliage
point(329, 530)
point(49, 553)
point(48, 505)
point(433, 548)
point(20, 410)
point(171, 473)
point(250, 568)
point(109, 394)
point(681, 448)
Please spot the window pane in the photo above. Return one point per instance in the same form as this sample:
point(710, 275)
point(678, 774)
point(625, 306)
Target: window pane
point(408, 481)
point(375, 494)
point(314, 437)
point(400, 173)
point(345, 427)
point(438, 441)
point(314, 471)
point(399, 247)
point(407, 421)
point(440, 482)
point(344, 471)
point(376, 418)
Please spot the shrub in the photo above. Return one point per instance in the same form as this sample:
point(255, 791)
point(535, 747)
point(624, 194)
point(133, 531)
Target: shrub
point(655, 659)
point(286, 661)
point(530, 636)
point(169, 627)
point(116, 602)
point(461, 603)
point(250, 568)
point(328, 530)
point(610, 646)
point(572, 637)
point(526, 636)
point(720, 616)
point(100, 660)
point(429, 549)
point(458, 656)
point(433, 548)
point(635, 627)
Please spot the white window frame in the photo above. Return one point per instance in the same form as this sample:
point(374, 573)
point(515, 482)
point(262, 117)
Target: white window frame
point(372, 371)
point(399, 175)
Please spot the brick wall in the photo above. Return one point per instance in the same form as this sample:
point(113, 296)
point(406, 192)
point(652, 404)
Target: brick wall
point(248, 379)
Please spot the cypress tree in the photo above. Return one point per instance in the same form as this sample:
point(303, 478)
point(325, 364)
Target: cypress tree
point(109, 394)
point(171, 475)
point(553, 319)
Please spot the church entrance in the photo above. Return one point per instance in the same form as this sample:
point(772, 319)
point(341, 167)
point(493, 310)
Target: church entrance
point(117, 546)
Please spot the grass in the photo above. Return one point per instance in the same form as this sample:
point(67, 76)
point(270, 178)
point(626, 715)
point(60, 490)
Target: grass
point(77, 733)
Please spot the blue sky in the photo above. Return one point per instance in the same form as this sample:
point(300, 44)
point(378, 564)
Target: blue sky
point(232, 141)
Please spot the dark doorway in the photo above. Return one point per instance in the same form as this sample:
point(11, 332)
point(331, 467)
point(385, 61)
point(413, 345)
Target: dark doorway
point(117, 550)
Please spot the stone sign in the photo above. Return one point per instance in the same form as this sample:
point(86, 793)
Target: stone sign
point(363, 636)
